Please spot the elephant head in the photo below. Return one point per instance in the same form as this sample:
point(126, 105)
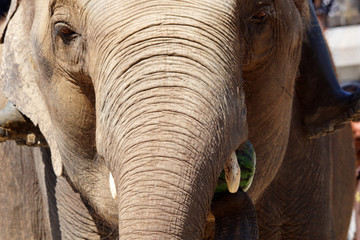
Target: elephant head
point(150, 94)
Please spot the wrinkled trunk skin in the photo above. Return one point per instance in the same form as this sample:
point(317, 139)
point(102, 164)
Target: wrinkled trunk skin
point(170, 111)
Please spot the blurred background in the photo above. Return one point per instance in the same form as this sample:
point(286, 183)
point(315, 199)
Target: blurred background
point(340, 20)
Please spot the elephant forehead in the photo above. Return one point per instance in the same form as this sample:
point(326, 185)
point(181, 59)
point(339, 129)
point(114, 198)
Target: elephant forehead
point(121, 14)
point(130, 5)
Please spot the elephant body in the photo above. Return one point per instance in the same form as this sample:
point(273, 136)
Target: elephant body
point(40, 206)
point(311, 197)
point(143, 102)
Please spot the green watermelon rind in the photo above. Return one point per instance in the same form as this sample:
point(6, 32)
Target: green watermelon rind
point(246, 159)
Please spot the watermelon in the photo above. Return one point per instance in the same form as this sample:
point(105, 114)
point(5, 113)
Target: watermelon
point(246, 158)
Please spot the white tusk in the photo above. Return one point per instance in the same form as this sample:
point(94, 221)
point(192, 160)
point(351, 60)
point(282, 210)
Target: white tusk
point(112, 186)
point(232, 173)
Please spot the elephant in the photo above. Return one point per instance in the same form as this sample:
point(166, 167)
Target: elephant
point(142, 103)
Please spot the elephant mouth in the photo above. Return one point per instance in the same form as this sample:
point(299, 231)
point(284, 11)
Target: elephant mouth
point(239, 170)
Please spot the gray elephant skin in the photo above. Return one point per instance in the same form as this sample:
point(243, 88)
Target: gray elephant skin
point(159, 94)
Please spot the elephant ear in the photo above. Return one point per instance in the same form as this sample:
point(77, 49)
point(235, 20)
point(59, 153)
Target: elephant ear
point(20, 72)
point(14, 5)
point(325, 106)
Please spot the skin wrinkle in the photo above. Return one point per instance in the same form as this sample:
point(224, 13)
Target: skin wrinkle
point(173, 57)
point(174, 73)
point(149, 207)
point(160, 157)
point(135, 139)
point(84, 117)
point(77, 220)
point(183, 143)
point(153, 127)
point(128, 99)
point(184, 113)
point(77, 223)
point(103, 227)
point(110, 106)
point(146, 6)
point(128, 149)
point(178, 141)
point(140, 116)
point(190, 102)
point(155, 85)
point(156, 197)
point(274, 133)
point(181, 131)
point(150, 187)
point(82, 223)
point(179, 58)
point(147, 128)
point(198, 80)
point(208, 35)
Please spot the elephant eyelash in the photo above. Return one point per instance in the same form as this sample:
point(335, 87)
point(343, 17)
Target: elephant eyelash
point(262, 14)
point(65, 32)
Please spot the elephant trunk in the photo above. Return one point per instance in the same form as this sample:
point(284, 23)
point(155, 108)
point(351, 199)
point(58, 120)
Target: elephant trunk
point(165, 146)
point(162, 190)
point(170, 111)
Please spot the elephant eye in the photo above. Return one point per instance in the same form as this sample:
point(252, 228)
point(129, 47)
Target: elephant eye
point(65, 33)
point(262, 14)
